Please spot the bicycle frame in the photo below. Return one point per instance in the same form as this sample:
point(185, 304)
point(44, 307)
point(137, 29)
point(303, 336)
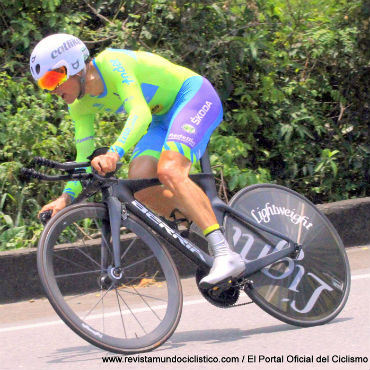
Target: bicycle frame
point(304, 289)
point(120, 201)
point(118, 195)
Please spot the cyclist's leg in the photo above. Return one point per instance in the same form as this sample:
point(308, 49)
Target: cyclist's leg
point(190, 199)
point(195, 115)
point(177, 162)
point(163, 200)
point(144, 163)
point(184, 143)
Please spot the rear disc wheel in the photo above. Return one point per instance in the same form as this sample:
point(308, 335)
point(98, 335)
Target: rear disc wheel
point(308, 290)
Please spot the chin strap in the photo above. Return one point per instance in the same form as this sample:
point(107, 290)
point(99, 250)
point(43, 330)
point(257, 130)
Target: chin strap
point(82, 83)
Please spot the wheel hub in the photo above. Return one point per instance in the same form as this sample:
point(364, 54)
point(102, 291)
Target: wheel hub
point(105, 282)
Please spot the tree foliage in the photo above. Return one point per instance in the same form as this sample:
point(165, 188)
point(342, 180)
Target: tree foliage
point(293, 75)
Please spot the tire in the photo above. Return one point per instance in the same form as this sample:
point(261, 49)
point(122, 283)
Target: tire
point(309, 290)
point(137, 314)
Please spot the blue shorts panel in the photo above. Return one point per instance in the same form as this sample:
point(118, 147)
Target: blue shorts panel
point(152, 142)
point(188, 125)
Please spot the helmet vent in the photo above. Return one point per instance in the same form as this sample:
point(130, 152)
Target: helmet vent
point(38, 68)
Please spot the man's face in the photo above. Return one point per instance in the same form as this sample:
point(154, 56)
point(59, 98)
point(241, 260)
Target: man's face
point(68, 90)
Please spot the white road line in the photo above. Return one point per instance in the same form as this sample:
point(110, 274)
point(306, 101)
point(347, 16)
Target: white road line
point(126, 312)
point(186, 303)
point(358, 277)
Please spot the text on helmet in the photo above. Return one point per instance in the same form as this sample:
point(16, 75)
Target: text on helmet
point(65, 46)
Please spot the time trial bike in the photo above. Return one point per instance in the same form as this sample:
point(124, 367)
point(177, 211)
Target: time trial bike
point(107, 271)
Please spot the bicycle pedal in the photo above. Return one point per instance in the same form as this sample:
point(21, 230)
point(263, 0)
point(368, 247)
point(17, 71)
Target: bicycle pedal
point(220, 286)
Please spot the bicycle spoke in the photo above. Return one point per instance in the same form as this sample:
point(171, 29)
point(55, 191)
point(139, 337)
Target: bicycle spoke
point(71, 262)
point(127, 284)
point(84, 245)
point(143, 295)
point(102, 304)
point(127, 249)
point(87, 255)
point(132, 313)
point(101, 298)
point(106, 242)
point(123, 323)
point(136, 263)
point(79, 273)
point(133, 278)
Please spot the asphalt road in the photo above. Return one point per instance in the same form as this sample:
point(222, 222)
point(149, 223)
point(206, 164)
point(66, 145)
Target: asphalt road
point(33, 337)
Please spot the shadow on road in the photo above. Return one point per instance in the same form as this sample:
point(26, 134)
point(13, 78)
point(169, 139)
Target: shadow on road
point(75, 354)
point(179, 339)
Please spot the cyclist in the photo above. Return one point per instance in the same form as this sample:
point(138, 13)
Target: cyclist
point(171, 114)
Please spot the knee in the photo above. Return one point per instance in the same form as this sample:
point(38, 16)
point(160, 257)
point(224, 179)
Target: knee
point(169, 174)
point(171, 171)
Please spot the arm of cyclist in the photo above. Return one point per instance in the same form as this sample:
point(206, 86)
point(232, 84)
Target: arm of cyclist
point(139, 118)
point(84, 138)
point(135, 127)
point(84, 141)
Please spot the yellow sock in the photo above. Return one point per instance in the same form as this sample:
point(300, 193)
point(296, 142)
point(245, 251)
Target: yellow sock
point(211, 228)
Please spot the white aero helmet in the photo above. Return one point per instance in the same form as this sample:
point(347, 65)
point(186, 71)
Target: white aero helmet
point(58, 50)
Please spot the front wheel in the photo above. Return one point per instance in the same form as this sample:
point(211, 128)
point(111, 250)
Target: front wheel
point(309, 290)
point(134, 313)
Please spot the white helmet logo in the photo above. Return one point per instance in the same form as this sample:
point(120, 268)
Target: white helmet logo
point(66, 46)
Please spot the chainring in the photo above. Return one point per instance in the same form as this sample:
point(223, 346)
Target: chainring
point(221, 298)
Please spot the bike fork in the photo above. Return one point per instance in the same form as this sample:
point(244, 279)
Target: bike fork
point(105, 280)
point(114, 210)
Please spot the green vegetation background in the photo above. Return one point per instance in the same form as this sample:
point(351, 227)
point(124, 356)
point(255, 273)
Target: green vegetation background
point(294, 77)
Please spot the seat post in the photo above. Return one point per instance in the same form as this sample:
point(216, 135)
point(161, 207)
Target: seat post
point(205, 163)
point(209, 186)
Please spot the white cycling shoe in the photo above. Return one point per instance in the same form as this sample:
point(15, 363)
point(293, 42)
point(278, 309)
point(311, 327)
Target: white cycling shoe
point(227, 264)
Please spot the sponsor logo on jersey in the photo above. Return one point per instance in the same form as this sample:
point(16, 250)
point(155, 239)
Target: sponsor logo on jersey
point(129, 126)
point(188, 128)
point(157, 108)
point(201, 113)
point(184, 139)
point(118, 67)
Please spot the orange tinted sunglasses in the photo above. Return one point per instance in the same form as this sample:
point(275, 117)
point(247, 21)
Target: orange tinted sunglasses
point(52, 79)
